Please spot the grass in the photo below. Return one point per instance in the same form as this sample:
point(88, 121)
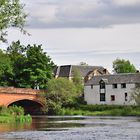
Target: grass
point(13, 114)
point(103, 110)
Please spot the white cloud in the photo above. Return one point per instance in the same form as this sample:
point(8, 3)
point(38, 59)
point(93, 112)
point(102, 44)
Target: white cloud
point(67, 30)
point(82, 13)
point(126, 2)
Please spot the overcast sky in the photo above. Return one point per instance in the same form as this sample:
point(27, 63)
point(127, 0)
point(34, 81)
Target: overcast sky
point(94, 31)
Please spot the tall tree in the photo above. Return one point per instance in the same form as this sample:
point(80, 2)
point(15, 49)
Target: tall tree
point(16, 53)
point(11, 15)
point(38, 67)
point(5, 69)
point(123, 66)
point(31, 67)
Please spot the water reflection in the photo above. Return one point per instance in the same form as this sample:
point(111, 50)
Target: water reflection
point(73, 127)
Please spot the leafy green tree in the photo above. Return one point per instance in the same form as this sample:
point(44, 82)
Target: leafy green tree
point(16, 51)
point(38, 67)
point(11, 15)
point(61, 93)
point(17, 54)
point(30, 65)
point(123, 66)
point(5, 69)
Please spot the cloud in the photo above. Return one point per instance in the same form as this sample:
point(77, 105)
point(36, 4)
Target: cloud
point(81, 13)
point(126, 2)
point(95, 57)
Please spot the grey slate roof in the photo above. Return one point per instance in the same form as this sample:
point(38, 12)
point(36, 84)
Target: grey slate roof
point(68, 70)
point(84, 70)
point(64, 71)
point(115, 79)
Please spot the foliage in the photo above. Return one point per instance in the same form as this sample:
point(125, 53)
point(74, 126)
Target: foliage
point(12, 110)
point(136, 95)
point(103, 110)
point(64, 93)
point(78, 81)
point(5, 68)
point(25, 66)
point(11, 15)
point(123, 66)
point(61, 92)
point(16, 52)
point(83, 64)
point(13, 114)
point(39, 67)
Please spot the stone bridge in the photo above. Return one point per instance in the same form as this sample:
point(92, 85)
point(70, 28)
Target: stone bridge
point(29, 99)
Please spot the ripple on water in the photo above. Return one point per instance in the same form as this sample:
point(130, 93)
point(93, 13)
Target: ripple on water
point(94, 128)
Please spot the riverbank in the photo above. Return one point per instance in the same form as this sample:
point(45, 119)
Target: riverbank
point(102, 110)
point(13, 114)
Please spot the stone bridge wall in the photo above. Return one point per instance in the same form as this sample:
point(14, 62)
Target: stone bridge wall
point(18, 90)
point(9, 95)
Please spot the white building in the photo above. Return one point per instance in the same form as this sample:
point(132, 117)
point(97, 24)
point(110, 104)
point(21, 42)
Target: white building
point(111, 89)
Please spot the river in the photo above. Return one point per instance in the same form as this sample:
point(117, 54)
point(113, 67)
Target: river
point(73, 128)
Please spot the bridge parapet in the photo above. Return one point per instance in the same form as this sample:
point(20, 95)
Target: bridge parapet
point(13, 90)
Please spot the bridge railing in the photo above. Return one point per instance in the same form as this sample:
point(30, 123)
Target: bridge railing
point(13, 90)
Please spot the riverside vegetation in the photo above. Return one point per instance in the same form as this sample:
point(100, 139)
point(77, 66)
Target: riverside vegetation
point(65, 97)
point(13, 114)
point(30, 67)
point(102, 110)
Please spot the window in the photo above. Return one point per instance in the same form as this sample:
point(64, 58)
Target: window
point(125, 94)
point(102, 85)
point(102, 96)
point(114, 85)
point(112, 97)
point(123, 85)
point(91, 86)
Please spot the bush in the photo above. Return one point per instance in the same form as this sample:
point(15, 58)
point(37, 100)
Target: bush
point(13, 114)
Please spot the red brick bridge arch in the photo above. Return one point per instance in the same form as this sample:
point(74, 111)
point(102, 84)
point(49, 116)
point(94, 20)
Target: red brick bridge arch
point(27, 98)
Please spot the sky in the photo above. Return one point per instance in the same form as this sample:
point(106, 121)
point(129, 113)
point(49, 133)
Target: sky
point(92, 31)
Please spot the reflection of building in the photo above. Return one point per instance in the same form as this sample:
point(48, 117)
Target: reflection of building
point(111, 89)
point(87, 72)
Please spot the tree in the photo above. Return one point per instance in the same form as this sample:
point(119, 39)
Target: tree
point(11, 15)
point(123, 66)
point(61, 93)
point(16, 53)
point(38, 67)
point(78, 81)
point(83, 64)
point(31, 67)
point(136, 94)
point(5, 69)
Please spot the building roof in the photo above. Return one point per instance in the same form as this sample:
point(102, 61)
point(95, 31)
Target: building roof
point(115, 79)
point(68, 70)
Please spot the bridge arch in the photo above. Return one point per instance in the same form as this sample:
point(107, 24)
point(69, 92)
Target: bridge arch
point(29, 99)
point(31, 106)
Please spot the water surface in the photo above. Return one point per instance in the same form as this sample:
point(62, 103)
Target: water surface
point(73, 128)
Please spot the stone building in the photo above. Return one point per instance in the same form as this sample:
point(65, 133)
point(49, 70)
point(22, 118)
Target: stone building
point(111, 89)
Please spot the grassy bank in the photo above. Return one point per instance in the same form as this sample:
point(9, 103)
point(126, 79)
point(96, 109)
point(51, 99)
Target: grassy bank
point(13, 114)
point(102, 110)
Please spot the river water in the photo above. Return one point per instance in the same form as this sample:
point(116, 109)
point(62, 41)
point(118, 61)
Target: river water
point(73, 128)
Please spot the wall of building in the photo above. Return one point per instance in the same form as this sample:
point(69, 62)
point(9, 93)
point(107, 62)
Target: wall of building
point(92, 95)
